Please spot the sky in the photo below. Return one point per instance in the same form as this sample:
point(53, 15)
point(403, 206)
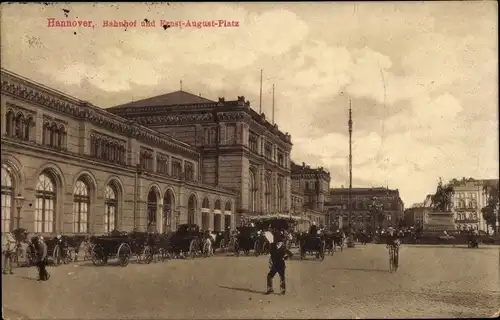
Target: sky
point(422, 77)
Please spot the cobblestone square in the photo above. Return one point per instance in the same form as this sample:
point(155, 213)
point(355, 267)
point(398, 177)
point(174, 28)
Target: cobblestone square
point(433, 281)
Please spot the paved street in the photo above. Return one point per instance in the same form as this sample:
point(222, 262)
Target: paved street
point(431, 282)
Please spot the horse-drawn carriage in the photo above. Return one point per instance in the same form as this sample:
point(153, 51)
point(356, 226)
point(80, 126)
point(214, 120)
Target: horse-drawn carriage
point(312, 244)
point(277, 223)
point(109, 247)
point(250, 238)
point(187, 239)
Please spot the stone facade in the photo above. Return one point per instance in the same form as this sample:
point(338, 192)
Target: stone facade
point(361, 198)
point(417, 215)
point(82, 169)
point(309, 190)
point(241, 151)
point(468, 200)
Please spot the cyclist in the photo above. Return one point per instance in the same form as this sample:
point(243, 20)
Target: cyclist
point(393, 243)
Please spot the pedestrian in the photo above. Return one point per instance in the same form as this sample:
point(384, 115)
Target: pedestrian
point(43, 275)
point(9, 246)
point(278, 254)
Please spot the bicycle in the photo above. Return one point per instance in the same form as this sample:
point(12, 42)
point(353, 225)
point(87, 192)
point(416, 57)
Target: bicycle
point(393, 257)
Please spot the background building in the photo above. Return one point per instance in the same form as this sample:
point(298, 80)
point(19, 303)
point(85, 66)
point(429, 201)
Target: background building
point(468, 200)
point(361, 198)
point(148, 165)
point(309, 191)
point(418, 214)
point(241, 151)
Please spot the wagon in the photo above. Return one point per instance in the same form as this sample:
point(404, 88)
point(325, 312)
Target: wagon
point(185, 239)
point(109, 247)
point(313, 244)
point(55, 252)
point(278, 222)
point(248, 239)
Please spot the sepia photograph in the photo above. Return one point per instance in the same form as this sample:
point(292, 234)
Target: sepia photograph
point(250, 160)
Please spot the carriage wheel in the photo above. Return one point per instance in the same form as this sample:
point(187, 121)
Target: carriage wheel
point(222, 246)
point(56, 256)
point(256, 248)
point(148, 254)
point(322, 250)
point(124, 254)
point(192, 248)
point(96, 260)
point(71, 255)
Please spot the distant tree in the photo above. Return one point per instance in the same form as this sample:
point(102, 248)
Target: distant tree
point(490, 211)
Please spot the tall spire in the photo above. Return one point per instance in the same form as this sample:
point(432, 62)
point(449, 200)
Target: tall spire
point(181, 85)
point(260, 104)
point(350, 242)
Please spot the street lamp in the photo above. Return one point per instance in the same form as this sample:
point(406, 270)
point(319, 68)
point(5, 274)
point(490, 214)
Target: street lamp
point(19, 205)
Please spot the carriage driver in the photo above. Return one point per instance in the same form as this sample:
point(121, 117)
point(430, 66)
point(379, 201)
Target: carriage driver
point(313, 230)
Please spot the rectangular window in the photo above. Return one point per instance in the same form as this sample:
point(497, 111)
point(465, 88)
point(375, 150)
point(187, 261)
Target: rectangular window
point(230, 134)
point(176, 167)
point(268, 151)
point(253, 143)
point(38, 215)
point(6, 212)
point(162, 164)
point(188, 171)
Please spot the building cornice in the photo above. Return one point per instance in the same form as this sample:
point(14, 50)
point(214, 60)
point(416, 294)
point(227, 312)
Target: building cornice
point(236, 110)
point(27, 90)
point(10, 145)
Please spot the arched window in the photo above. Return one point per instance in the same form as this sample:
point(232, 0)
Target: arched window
point(46, 133)
point(217, 205)
point(472, 204)
point(168, 206)
point(61, 142)
point(81, 204)
point(19, 128)
point(7, 197)
point(227, 207)
point(279, 195)
point(10, 123)
point(27, 128)
point(191, 210)
point(205, 206)
point(45, 204)
point(111, 208)
point(54, 135)
point(152, 207)
point(252, 193)
point(267, 195)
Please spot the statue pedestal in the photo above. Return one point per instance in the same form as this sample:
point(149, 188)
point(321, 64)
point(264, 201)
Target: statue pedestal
point(439, 221)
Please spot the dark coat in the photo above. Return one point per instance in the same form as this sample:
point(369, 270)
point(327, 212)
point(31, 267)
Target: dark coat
point(278, 255)
point(391, 238)
point(313, 230)
point(41, 250)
